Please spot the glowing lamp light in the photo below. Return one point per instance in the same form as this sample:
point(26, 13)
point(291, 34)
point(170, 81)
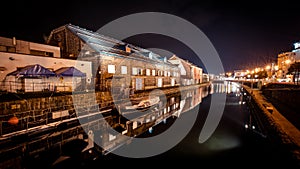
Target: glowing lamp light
point(288, 61)
point(297, 45)
point(13, 120)
point(268, 67)
point(150, 130)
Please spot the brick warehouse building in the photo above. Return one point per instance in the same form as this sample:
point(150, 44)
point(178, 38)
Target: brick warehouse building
point(114, 61)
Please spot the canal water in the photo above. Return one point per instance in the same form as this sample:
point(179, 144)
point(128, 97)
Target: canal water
point(237, 142)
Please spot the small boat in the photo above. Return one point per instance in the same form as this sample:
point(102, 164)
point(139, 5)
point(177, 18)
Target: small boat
point(143, 104)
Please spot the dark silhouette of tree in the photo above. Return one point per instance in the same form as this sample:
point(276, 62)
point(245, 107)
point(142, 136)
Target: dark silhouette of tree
point(262, 74)
point(294, 69)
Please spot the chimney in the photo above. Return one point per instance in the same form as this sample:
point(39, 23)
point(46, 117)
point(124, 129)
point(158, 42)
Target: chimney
point(14, 41)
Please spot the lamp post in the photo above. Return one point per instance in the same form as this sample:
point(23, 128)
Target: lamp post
point(268, 70)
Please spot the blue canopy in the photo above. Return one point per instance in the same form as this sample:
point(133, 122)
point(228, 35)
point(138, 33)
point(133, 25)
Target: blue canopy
point(69, 71)
point(32, 71)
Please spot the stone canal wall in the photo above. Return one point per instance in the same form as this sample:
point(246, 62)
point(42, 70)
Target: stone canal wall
point(37, 111)
point(275, 126)
point(289, 97)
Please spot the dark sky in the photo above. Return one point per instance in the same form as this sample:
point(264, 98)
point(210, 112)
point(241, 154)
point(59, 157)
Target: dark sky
point(245, 33)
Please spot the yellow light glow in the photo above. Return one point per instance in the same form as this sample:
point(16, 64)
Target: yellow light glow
point(268, 67)
point(288, 61)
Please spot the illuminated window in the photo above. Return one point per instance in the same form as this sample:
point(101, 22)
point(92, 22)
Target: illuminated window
point(165, 73)
point(140, 71)
point(123, 70)
point(148, 72)
point(139, 84)
point(172, 82)
point(111, 69)
point(134, 71)
point(153, 72)
point(175, 74)
point(159, 82)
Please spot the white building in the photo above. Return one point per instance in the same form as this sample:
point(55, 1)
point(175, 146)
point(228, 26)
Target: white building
point(12, 45)
point(15, 54)
point(285, 59)
point(189, 73)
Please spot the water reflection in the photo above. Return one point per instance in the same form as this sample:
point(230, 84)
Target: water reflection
point(174, 107)
point(142, 122)
point(227, 144)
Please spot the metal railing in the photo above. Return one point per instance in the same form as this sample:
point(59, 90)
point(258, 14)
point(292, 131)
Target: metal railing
point(13, 86)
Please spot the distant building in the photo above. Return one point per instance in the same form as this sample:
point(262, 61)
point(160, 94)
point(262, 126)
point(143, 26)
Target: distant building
point(189, 73)
point(285, 59)
point(239, 74)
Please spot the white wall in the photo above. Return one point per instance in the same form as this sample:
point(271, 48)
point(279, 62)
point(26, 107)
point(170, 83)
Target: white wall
point(21, 60)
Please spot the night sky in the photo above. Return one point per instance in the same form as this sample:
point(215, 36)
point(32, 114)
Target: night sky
point(246, 34)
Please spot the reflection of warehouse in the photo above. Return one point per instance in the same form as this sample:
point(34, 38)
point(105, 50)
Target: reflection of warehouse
point(124, 65)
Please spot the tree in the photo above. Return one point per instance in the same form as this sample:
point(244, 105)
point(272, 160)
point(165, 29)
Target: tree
point(294, 69)
point(262, 74)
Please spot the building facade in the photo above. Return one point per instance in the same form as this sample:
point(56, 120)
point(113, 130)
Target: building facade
point(18, 54)
point(285, 59)
point(116, 65)
point(13, 45)
point(189, 73)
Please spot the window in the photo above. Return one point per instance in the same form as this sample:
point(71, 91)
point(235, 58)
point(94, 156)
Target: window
point(159, 73)
point(3, 48)
point(175, 74)
point(140, 71)
point(148, 72)
point(11, 49)
point(172, 82)
point(153, 72)
point(134, 71)
point(111, 69)
point(123, 70)
point(159, 82)
point(37, 52)
point(49, 54)
point(139, 84)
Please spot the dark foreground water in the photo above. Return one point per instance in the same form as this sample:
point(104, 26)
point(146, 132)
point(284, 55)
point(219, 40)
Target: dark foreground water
point(230, 146)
